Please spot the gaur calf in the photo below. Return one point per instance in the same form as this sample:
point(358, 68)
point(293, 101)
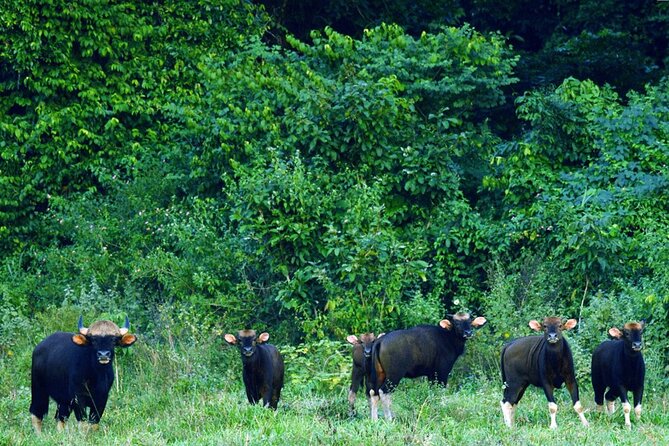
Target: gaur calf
point(262, 367)
point(362, 363)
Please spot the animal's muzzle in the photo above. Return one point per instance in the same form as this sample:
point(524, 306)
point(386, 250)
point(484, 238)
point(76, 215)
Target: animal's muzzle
point(247, 351)
point(637, 346)
point(104, 356)
point(553, 339)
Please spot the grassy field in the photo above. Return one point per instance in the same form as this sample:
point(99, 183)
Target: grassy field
point(195, 397)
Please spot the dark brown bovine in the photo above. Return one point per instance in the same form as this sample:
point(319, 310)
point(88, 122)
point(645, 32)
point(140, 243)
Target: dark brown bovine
point(362, 362)
point(543, 361)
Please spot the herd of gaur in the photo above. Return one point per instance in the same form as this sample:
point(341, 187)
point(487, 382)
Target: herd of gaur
point(76, 369)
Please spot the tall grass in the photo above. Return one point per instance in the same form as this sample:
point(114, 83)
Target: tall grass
point(191, 393)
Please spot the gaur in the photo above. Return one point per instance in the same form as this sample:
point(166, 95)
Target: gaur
point(543, 361)
point(424, 350)
point(76, 371)
point(362, 362)
point(619, 366)
point(262, 367)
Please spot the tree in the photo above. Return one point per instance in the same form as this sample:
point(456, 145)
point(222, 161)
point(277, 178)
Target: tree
point(587, 180)
point(87, 91)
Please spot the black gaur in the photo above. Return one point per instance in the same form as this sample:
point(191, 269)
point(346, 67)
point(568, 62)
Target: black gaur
point(619, 366)
point(424, 350)
point(262, 367)
point(76, 370)
point(543, 361)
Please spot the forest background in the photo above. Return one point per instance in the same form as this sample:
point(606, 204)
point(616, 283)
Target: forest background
point(315, 169)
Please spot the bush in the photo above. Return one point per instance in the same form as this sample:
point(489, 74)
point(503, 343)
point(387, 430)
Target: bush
point(319, 366)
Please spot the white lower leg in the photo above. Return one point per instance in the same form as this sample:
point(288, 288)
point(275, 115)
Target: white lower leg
point(552, 410)
point(507, 411)
point(37, 423)
point(637, 411)
point(610, 407)
point(374, 405)
point(579, 410)
point(627, 408)
point(351, 398)
point(600, 408)
point(60, 426)
point(385, 401)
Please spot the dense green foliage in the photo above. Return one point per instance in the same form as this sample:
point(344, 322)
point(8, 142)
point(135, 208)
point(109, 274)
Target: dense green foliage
point(624, 44)
point(166, 160)
point(88, 94)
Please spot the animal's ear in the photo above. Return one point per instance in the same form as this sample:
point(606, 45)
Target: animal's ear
point(80, 339)
point(127, 340)
point(230, 339)
point(264, 337)
point(353, 339)
point(479, 322)
point(571, 323)
point(445, 323)
point(642, 322)
point(535, 325)
point(614, 332)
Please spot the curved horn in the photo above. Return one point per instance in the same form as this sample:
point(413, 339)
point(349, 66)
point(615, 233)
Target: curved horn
point(126, 326)
point(83, 330)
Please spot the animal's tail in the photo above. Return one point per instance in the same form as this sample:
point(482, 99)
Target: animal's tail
point(501, 364)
